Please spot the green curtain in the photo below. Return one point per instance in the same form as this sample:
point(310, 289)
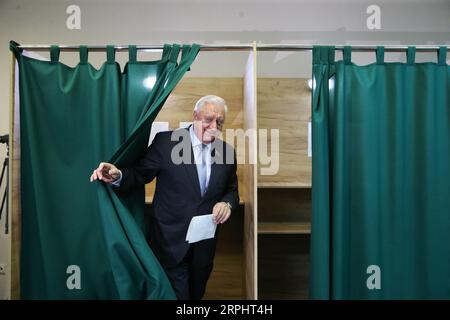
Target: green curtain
point(72, 119)
point(381, 178)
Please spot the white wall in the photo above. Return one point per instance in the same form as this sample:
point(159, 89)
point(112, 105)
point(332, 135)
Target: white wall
point(210, 22)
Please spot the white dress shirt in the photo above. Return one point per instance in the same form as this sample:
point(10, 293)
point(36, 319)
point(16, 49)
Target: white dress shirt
point(197, 149)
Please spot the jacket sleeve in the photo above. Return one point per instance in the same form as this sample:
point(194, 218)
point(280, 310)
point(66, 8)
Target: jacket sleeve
point(232, 194)
point(144, 170)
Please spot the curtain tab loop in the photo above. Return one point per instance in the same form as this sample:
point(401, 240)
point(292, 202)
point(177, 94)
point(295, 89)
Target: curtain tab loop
point(323, 54)
point(185, 50)
point(54, 53)
point(331, 54)
point(347, 55)
point(174, 53)
point(14, 47)
point(442, 56)
point(83, 54)
point(110, 54)
point(380, 55)
point(411, 55)
point(166, 51)
point(132, 53)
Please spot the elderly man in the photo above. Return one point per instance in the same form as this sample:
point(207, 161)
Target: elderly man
point(196, 175)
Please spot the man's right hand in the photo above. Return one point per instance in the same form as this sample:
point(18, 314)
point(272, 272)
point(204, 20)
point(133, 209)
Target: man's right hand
point(106, 172)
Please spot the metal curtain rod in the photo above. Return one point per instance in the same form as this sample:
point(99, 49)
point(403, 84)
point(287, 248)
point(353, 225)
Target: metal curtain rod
point(239, 47)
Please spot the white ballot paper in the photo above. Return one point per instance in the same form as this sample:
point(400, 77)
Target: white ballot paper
point(201, 228)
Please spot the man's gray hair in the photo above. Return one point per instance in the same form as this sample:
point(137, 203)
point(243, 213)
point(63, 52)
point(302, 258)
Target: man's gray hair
point(212, 99)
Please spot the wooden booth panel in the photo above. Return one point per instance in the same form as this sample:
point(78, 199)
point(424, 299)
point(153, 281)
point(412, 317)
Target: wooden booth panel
point(285, 104)
point(250, 174)
point(284, 198)
point(14, 186)
point(284, 211)
point(283, 266)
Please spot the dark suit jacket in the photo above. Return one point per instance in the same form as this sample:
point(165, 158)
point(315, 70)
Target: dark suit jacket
point(177, 196)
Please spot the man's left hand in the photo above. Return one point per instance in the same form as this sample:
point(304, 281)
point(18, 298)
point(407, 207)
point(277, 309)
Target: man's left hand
point(221, 212)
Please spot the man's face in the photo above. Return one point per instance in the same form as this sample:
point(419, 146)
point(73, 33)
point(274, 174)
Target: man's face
point(209, 122)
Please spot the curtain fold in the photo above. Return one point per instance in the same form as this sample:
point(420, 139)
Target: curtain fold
point(72, 119)
point(381, 178)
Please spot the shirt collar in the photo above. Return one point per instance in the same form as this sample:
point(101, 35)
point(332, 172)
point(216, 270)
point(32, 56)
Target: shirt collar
point(194, 139)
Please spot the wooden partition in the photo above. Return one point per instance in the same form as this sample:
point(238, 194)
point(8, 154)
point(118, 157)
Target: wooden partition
point(284, 104)
point(250, 174)
point(284, 199)
point(14, 185)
